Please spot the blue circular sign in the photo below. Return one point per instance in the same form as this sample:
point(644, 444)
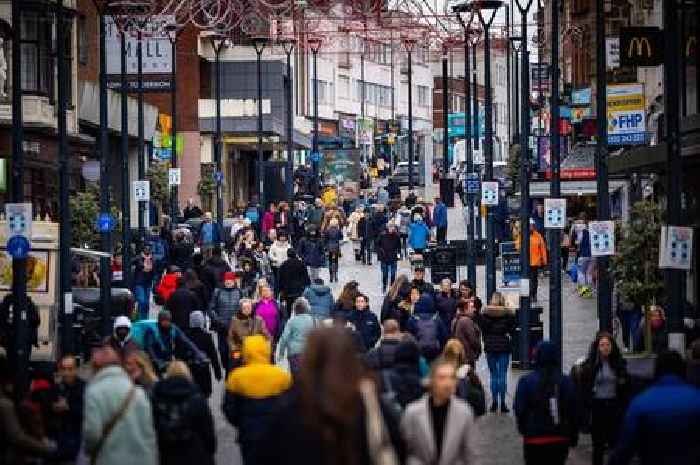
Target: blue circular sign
point(105, 222)
point(18, 247)
point(315, 157)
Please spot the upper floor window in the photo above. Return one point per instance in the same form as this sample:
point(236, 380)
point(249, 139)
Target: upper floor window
point(37, 58)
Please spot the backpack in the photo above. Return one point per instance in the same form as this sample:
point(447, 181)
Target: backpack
point(171, 421)
point(157, 249)
point(427, 336)
point(252, 214)
point(139, 329)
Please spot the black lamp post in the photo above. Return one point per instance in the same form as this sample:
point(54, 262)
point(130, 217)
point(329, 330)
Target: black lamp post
point(315, 45)
point(465, 19)
point(124, 151)
point(486, 10)
point(288, 45)
point(410, 43)
point(173, 30)
point(259, 44)
point(219, 42)
point(445, 116)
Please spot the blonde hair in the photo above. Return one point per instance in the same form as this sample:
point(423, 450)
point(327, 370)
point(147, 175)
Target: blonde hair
point(454, 352)
point(178, 369)
point(144, 362)
point(497, 300)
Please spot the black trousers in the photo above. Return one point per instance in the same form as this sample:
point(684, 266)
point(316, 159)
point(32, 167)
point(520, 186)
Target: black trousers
point(606, 417)
point(534, 282)
point(441, 234)
point(546, 454)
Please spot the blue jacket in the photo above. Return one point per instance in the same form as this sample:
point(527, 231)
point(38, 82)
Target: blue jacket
point(295, 333)
point(532, 406)
point(440, 215)
point(418, 235)
point(662, 425)
point(367, 325)
point(320, 300)
point(311, 252)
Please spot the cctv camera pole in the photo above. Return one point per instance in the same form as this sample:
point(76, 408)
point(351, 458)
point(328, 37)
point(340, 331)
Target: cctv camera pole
point(18, 356)
point(601, 169)
point(555, 317)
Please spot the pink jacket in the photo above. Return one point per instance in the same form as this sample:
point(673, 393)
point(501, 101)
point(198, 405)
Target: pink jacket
point(268, 222)
point(267, 310)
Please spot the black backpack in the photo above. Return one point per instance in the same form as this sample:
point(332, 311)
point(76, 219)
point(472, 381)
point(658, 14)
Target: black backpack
point(427, 336)
point(171, 418)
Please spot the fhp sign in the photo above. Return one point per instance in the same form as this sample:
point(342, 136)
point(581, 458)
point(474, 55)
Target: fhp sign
point(626, 114)
point(641, 46)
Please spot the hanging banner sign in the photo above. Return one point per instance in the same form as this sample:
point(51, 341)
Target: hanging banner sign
point(626, 114)
point(581, 97)
point(602, 236)
point(489, 193)
point(555, 213)
point(612, 52)
point(142, 191)
point(676, 247)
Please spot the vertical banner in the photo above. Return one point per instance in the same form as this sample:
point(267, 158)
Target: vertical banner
point(602, 236)
point(676, 247)
point(626, 114)
point(555, 213)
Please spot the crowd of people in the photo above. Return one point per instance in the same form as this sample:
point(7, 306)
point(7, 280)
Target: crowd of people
point(317, 379)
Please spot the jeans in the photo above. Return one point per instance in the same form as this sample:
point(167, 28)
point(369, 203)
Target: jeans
point(498, 367)
point(629, 320)
point(142, 294)
point(606, 417)
point(388, 273)
point(584, 270)
point(404, 245)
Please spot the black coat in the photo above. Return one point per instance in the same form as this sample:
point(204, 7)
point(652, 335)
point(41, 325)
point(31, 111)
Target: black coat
point(202, 374)
point(195, 441)
point(293, 277)
point(382, 356)
point(446, 306)
point(404, 376)
point(497, 327)
point(367, 324)
point(388, 247)
point(181, 255)
point(181, 303)
point(214, 271)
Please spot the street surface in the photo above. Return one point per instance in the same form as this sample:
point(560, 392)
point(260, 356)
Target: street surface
point(498, 441)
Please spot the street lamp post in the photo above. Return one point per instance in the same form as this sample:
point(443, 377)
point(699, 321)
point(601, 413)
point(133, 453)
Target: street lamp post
point(288, 46)
point(173, 31)
point(219, 41)
point(445, 116)
point(490, 7)
point(462, 10)
point(259, 44)
point(315, 45)
point(124, 146)
point(410, 43)
point(141, 141)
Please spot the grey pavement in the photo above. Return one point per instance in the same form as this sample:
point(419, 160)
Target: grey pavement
point(498, 441)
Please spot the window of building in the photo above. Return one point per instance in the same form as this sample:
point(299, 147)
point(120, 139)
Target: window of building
point(82, 40)
point(423, 96)
point(326, 95)
point(37, 60)
point(343, 87)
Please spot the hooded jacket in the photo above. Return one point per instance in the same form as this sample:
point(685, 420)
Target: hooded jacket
point(278, 253)
point(125, 347)
point(294, 335)
point(242, 327)
point(214, 270)
point(180, 396)
point(223, 305)
point(167, 286)
point(440, 215)
point(497, 326)
point(254, 391)
point(465, 329)
point(404, 375)
point(418, 235)
point(294, 277)
point(311, 251)
point(367, 324)
point(320, 300)
point(533, 406)
point(388, 247)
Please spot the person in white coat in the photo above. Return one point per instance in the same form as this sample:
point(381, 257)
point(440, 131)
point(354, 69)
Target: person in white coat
point(118, 421)
point(438, 428)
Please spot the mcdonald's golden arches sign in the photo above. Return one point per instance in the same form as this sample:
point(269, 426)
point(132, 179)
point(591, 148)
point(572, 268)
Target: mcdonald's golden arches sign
point(641, 46)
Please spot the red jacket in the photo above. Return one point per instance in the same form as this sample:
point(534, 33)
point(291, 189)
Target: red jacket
point(167, 286)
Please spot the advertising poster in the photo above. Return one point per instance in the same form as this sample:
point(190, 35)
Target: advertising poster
point(581, 97)
point(37, 271)
point(676, 247)
point(555, 213)
point(626, 114)
point(365, 131)
point(340, 166)
point(602, 234)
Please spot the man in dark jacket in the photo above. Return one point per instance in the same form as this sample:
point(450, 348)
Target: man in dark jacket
point(204, 342)
point(388, 250)
point(365, 322)
point(8, 309)
point(223, 306)
point(427, 327)
point(446, 302)
point(166, 341)
point(68, 396)
point(382, 356)
point(545, 410)
point(181, 303)
point(120, 340)
point(419, 281)
point(320, 299)
point(293, 278)
point(662, 423)
point(404, 378)
point(214, 269)
point(182, 251)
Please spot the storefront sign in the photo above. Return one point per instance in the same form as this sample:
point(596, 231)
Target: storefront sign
point(539, 76)
point(641, 46)
point(626, 115)
point(602, 235)
point(365, 131)
point(612, 52)
point(581, 97)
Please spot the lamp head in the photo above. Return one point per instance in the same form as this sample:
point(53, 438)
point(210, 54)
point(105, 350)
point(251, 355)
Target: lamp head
point(314, 43)
point(259, 43)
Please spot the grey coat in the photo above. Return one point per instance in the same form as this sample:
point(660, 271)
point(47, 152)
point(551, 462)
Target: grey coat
point(457, 445)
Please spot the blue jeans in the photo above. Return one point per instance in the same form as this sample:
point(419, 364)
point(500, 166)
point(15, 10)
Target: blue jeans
point(388, 273)
point(498, 367)
point(142, 294)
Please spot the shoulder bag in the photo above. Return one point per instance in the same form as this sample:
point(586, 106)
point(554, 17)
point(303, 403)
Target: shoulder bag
point(109, 426)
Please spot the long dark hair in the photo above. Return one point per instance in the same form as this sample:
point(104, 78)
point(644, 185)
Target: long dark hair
point(615, 359)
point(331, 404)
point(348, 295)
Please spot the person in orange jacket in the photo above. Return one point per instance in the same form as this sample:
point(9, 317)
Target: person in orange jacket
point(538, 258)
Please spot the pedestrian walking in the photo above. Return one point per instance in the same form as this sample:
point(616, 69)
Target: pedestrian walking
point(354, 231)
point(439, 427)
point(183, 421)
point(333, 236)
point(346, 300)
point(312, 252)
point(138, 366)
point(214, 268)
point(118, 420)
point(67, 401)
point(253, 392)
point(268, 219)
point(267, 309)
point(166, 341)
point(446, 302)
point(181, 303)
point(245, 323)
point(293, 279)
point(398, 292)
point(383, 356)
point(120, 340)
point(498, 327)
point(205, 343)
point(419, 281)
point(209, 235)
point(296, 331)
point(418, 235)
point(403, 219)
point(388, 252)
point(466, 330)
point(427, 327)
point(365, 321)
point(661, 423)
point(320, 299)
point(538, 258)
point(469, 386)
point(440, 220)
point(143, 273)
point(364, 231)
point(224, 304)
point(182, 252)
point(332, 406)
point(545, 410)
